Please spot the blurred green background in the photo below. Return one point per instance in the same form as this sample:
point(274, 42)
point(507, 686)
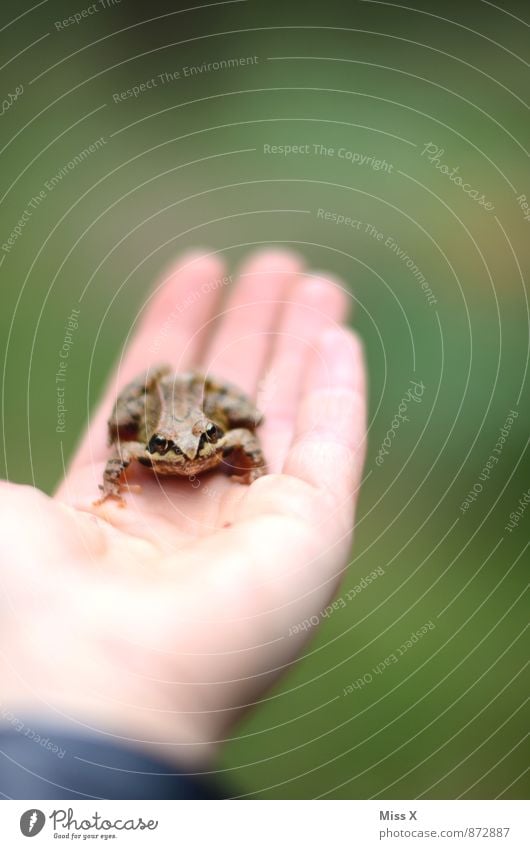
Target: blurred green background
point(183, 165)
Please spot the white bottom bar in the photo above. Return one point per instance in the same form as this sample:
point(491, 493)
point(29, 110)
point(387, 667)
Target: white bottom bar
point(265, 824)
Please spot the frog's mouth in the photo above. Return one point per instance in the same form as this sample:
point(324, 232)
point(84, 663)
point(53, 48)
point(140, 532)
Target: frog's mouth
point(180, 465)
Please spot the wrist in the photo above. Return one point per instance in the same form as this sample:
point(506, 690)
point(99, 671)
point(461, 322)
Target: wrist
point(82, 691)
point(42, 761)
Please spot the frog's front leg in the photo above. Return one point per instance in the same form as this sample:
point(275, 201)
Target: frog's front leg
point(116, 465)
point(243, 454)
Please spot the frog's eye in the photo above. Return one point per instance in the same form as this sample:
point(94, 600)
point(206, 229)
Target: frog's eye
point(213, 433)
point(157, 444)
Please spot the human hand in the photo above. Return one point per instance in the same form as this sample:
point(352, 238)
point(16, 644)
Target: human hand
point(161, 622)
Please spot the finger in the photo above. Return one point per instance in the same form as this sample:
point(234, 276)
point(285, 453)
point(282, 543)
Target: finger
point(171, 328)
point(329, 443)
point(240, 345)
point(175, 319)
point(316, 303)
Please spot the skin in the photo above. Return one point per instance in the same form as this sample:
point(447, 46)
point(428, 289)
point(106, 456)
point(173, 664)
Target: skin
point(181, 424)
point(162, 623)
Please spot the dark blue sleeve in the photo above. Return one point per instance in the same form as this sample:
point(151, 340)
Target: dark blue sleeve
point(49, 764)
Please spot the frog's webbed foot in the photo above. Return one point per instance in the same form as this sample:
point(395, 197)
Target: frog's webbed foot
point(243, 455)
point(107, 494)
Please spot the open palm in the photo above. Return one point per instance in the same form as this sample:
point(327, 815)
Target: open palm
point(169, 617)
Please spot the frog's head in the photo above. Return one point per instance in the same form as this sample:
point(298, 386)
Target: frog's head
point(186, 443)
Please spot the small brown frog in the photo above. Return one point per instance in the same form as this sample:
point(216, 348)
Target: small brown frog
point(182, 424)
